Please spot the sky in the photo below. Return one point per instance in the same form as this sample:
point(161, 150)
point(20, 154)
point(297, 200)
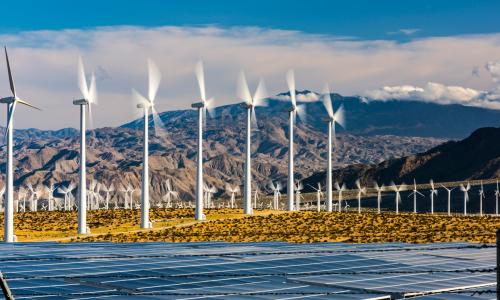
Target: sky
point(435, 51)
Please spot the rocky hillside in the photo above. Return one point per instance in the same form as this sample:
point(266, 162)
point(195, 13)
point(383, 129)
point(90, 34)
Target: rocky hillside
point(476, 157)
point(115, 154)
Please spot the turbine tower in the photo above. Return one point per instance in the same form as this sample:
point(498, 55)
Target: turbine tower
point(89, 94)
point(11, 102)
point(333, 118)
point(203, 106)
point(414, 194)
point(292, 110)
point(481, 197)
point(147, 104)
point(449, 197)
point(250, 102)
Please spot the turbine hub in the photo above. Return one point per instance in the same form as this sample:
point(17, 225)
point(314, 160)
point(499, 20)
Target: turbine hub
point(290, 108)
point(246, 105)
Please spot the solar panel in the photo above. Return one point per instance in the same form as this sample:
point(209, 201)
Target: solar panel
point(268, 270)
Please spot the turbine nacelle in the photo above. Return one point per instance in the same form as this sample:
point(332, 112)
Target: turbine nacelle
point(247, 105)
point(144, 105)
point(8, 100)
point(290, 108)
point(81, 102)
point(328, 119)
point(198, 105)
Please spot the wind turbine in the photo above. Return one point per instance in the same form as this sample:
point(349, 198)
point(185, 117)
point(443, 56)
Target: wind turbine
point(497, 194)
point(250, 102)
point(2, 192)
point(276, 188)
point(361, 190)
point(170, 193)
point(449, 197)
point(319, 194)
point(481, 197)
point(292, 110)
point(465, 189)
point(398, 190)
point(147, 104)
point(50, 190)
point(89, 94)
point(108, 190)
point(11, 102)
point(414, 194)
point(333, 118)
point(340, 189)
point(433, 192)
point(298, 194)
point(232, 190)
point(379, 190)
point(202, 108)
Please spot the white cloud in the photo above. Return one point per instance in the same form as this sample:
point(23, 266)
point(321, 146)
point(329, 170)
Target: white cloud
point(302, 97)
point(44, 65)
point(438, 93)
point(494, 68)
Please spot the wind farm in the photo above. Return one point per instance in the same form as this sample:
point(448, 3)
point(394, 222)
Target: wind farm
point(365, 167)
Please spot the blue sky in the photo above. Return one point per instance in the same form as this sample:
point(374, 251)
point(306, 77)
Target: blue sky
point(362, 19)
point(435, 51)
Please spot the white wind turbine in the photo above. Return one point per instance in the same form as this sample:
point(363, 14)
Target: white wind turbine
point(433, 192)
point(319, 194)
point(497, 194)
point(147, 104)
point(340, 189)
point(250, 102)
point(449, 197)
point(415, 193)
point(379, 190)
point(481, 197)
point(170, 194)
point(203, 106)
point(398, 190)
point(11, 102)
point(333, 119)
point(89, 94)
point(232, 190)
point(361, 191)
point(298, 195)
point(276, 188)
point(465, 189)
point(50, 198)
point(293, 110)
point(108, 190)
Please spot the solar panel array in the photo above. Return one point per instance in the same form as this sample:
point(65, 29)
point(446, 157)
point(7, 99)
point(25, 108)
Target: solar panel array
point(269, 270)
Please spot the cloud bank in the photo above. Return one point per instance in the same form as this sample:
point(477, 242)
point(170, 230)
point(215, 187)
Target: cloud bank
point(44, 65)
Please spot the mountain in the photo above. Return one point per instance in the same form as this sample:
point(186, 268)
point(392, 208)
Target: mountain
point(401, 118)
point(115, 154)
point(475, 157)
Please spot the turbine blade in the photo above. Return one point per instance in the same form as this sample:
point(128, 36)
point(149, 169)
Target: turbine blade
point(243, 91)
point(11, 79)
point(140, 99)
point(259, 98)
point(290, 79)
point(154, 77)
point(301, 112)
point(92, 96)
point(210, 107)
point(339, 115)
point(82, 81)
point(327, 101)
point(9, 119)
point(159, 126)
point(90, 116)
point(200, 76)
point(253, 120)
point(27, 104)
